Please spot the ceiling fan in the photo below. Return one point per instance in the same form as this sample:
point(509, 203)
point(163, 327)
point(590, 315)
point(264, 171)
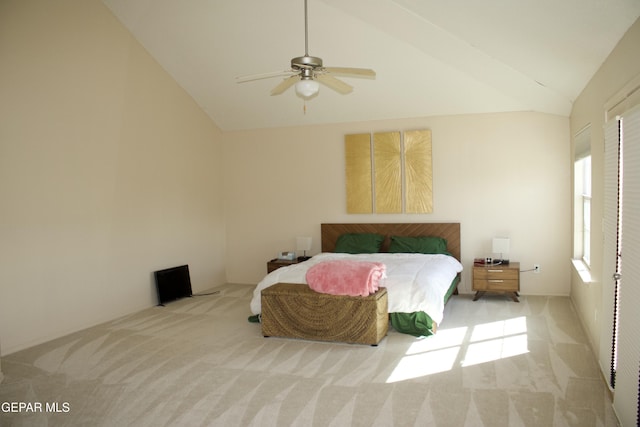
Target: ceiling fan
point(307, 72)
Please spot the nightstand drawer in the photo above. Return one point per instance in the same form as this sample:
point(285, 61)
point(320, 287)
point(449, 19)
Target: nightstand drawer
point(491, 273)
point(508, 285)
point(497, 278)
point(275, 264)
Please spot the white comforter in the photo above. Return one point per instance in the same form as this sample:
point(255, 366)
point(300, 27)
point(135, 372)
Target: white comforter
point(414, 282)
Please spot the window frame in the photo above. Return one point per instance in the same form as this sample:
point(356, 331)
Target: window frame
point(582, 199)
point(586, 211)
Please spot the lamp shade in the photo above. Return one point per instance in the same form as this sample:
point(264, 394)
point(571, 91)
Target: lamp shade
point(306, 88)
point(303, 243)
point(501, 245)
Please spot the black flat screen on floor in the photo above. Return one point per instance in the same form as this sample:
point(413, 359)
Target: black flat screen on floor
point(173, 283)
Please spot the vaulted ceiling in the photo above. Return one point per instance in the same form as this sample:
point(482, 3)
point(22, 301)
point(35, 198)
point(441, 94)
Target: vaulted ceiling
point(432, 57)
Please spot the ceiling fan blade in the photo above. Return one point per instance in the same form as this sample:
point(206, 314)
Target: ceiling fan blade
point(353, 72)
point(335, 84)
point(252, 77)
point(284, 85)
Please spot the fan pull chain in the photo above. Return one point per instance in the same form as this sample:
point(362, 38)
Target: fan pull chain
point(304, 107)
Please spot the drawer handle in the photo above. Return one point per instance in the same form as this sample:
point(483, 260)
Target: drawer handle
point(496, 281)
point(495, 271)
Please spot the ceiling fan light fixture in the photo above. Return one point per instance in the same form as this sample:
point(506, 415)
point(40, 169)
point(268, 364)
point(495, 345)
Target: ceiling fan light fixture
point(306, 88)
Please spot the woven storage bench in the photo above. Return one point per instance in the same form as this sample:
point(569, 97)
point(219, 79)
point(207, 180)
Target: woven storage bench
point(294, 310)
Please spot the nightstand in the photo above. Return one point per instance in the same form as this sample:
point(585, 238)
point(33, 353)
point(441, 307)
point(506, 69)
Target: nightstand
point(276, 263)
point(500, 278)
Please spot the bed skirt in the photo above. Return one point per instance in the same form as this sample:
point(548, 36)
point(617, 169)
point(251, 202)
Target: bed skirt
point(419, 323)
point(294, 310)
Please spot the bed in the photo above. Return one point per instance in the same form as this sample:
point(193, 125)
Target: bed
point(418, 284)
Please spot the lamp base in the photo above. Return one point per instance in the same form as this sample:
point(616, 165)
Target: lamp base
point(303, 258)
point(501, 261)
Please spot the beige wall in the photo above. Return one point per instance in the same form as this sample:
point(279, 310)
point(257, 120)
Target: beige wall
point(108, 171)
point(622, 65)
point(497, 174)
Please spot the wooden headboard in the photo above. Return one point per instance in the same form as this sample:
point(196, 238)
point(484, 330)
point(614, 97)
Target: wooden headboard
point(329, 233)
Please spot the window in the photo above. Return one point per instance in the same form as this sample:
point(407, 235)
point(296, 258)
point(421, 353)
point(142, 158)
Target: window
point(582, 197)
point(585, 167)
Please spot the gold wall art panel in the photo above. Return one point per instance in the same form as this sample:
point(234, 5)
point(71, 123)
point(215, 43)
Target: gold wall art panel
point(358, 169)
point(389, 172)
point(387, 157)
point(418, 172)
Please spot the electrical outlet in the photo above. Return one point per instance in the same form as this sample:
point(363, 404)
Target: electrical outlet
point(536, 268)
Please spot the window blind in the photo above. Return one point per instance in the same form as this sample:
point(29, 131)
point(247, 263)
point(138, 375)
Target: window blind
point(626, 401)
point(608, 344)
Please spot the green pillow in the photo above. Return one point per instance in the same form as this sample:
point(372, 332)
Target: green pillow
point(418, 245)
point(359, 243)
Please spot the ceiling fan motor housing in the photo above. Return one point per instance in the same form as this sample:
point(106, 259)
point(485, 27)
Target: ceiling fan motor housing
point(303, 62)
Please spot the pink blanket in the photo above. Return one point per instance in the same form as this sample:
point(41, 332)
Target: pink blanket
point(346, 277)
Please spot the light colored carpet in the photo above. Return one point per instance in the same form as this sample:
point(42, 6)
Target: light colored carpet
point(198, 362)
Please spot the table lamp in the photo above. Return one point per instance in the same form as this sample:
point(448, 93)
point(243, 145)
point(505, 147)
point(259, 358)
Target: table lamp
point(303, 244)
point(501, 246)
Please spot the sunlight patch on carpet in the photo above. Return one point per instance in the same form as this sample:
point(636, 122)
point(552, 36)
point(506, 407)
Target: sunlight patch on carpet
point(430, 355)
point(481, 343)
point(497, 340)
